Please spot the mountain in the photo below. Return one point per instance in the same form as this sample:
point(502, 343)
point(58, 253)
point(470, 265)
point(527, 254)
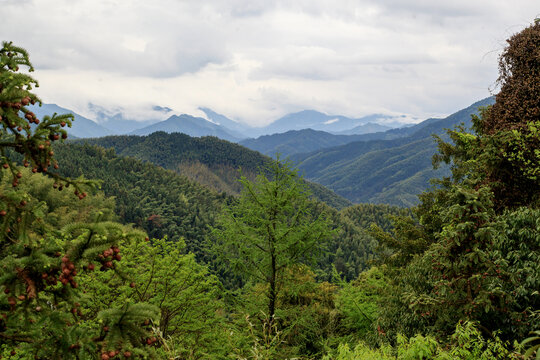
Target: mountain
point(296, 141)
point(81, 128)
point(311, 119)
point(365, 129)
point(224, 121)
point(207, 160)
point(384, 171)
point(117, 123)
point(189, 125)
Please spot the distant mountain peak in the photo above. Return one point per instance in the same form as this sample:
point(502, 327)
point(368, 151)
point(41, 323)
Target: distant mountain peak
point(189, 125)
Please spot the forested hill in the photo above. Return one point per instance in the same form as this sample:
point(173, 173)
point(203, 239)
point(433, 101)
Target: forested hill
point(383, 171)
point(157, 200)
point(164, 203)
point(210, 161)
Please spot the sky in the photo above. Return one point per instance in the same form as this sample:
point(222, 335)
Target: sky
point(256, 60)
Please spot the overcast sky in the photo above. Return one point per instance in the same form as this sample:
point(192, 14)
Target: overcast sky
point(256, 60)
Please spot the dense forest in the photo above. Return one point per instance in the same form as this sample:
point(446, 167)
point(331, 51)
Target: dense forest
point(215, 163)
point(109, 252)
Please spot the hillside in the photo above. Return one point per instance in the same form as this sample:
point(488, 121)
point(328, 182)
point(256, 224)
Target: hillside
point(159, 201)
point(164, 203)
point(296, 141)
point(383, 171)
point(207, 160)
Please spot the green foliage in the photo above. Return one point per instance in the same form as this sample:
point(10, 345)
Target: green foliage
point(467, 344)
point(532, 344)
point(40, 316)
point(478, 231)
point(359, 302)
point(352, 248)
point(360, 351)
point(306, 322)
point(268, 232)
point(186, 296)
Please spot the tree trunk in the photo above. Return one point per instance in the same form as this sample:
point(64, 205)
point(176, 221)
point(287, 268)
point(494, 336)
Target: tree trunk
point(272, 296)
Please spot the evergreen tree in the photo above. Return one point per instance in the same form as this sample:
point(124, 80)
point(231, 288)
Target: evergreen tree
point(269, 229)
point(158, 272)
point(479, 230)
point(40, 303)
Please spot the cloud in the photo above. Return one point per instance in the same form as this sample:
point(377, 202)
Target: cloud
point(255, 60)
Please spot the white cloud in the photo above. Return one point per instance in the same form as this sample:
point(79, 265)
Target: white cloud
point(254, 60)
point(331, 121)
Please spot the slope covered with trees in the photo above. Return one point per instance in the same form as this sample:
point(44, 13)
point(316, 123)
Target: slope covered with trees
point(208, 160)
point(383, 171)
point(164, 203)
point(157, 200)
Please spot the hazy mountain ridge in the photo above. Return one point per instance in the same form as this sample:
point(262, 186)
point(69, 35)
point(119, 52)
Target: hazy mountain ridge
point(114, 122)
point(82, 127)
point(315, 120)
point(190, 125)
point(296, 141)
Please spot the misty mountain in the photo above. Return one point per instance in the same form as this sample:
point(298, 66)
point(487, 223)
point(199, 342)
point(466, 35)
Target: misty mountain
point(82, 127)
point(311, 119)
point(189, 125)
point(429, 126)
point(224, 121)
point(116, 121)
point(368, 128)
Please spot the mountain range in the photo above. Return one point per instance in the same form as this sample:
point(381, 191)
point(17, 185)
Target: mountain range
point(315, 120)
point(384, 171)
point(82, 127)
point(213, 124)
point(391, 166)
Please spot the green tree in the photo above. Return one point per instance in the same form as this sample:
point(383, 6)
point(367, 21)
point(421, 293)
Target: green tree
point(270, 228)
point(358, 301)
point(478, 230)
point(40, 310)
point(158, 272)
